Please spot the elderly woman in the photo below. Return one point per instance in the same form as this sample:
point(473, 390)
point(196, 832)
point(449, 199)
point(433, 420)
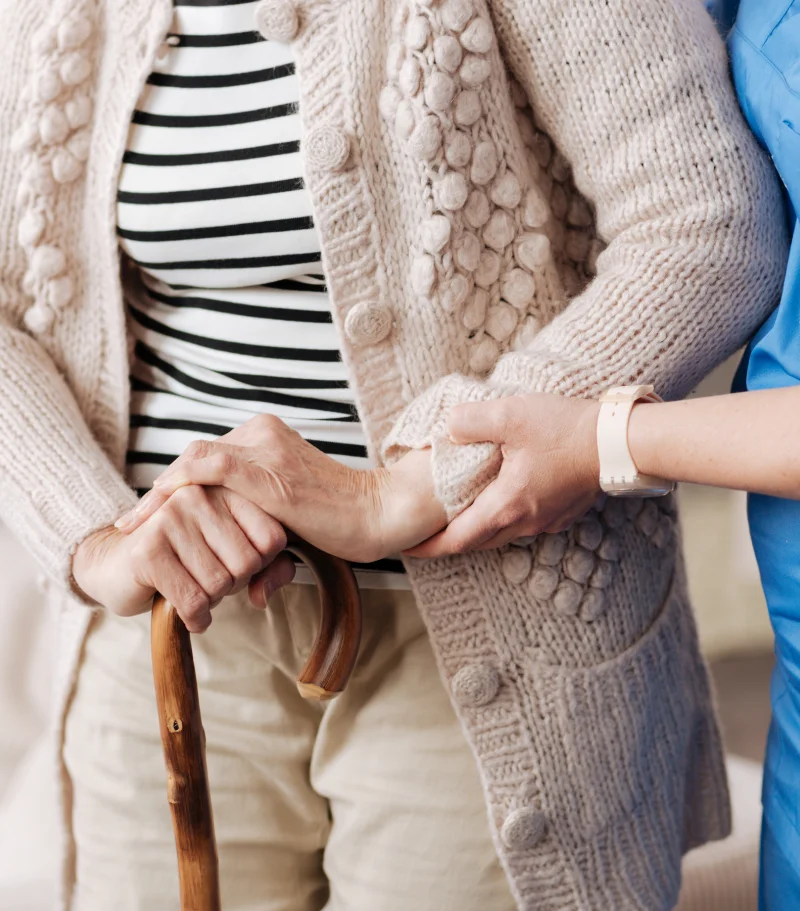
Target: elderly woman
point(336, 221)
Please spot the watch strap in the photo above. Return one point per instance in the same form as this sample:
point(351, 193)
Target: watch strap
point(618, 472)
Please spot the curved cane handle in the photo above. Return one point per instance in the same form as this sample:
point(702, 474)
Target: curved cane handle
point(324, 676)
point(335, 649)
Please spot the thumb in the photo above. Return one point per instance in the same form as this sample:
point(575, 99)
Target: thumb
point(476, 422)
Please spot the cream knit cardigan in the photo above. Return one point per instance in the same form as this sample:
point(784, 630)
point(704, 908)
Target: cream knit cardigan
point(472, 166)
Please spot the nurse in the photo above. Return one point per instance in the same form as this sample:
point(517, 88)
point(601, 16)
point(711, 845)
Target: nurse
point(765, 51)
point(749, 441)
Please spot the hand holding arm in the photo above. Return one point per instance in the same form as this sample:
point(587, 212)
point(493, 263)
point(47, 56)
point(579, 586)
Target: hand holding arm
point(548, 477)
point(550, 472)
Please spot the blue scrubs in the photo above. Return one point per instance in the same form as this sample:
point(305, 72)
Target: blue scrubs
point(765, 55)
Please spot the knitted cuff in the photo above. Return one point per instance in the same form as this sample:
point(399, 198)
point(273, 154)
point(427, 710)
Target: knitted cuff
point(460, 472)
point(111, 498)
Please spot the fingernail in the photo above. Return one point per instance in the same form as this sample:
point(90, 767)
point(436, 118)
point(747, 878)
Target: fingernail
point(268, 589)
point(122, 521)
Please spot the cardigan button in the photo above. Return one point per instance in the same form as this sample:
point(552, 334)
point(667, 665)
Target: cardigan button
point(277, 20)
point(523, 828)
point(516, 564)
point(475, 685)
point(327, 148)
point(368, 323)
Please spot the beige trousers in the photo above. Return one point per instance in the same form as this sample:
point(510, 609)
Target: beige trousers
point(372, 803)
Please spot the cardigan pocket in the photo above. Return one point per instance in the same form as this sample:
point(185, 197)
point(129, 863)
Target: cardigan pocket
point(625, 729)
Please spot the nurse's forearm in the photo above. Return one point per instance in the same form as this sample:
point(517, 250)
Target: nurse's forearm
point(746, 441)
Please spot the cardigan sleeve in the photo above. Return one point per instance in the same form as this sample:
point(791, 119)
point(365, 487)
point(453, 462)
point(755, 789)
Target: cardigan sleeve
point(637, 97)
point(57, 485)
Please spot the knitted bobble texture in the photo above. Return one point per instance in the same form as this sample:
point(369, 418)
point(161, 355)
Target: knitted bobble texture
point(488, 270)
point(476, 204)
point(574, 571)
point(31, 228)
point(501, 321)
point(426, 139)
point(38, 319)
point(447, 53)
point(56, 147)
point(516, 564)
point(456, 14)
point(452, 191)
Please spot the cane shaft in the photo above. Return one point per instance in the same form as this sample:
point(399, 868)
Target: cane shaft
point(324, 676)
point(183, 740)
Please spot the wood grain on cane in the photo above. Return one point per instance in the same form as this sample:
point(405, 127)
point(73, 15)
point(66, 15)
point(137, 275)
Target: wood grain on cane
point(183, 740)
point(324, 676)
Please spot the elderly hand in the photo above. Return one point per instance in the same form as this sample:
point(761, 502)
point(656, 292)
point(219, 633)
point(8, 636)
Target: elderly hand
point(549, 476)
point(202, 545)
point(358, 515)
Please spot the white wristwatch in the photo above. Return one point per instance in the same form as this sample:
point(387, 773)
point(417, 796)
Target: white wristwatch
point(619, 476)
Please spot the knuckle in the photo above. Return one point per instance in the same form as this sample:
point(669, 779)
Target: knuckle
point(271, 540)
point(191, 495)
point(266, 427)
point(148, 547)
point(246, 566)
point(509, 514)
point(277, 538)
point(197, 449)
point(267, 422)
point(223, 463)
point(195, 603)
point(535, 511)
point(220, 583)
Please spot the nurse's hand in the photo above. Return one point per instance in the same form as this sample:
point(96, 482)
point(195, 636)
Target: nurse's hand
point(203, 544)
point(549, 475)
point(357, 515)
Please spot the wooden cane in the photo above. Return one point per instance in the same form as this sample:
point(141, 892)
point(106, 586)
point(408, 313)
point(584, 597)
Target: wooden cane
point(324, 676)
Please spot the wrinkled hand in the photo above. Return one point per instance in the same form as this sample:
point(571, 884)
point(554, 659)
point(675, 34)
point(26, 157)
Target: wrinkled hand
point(357, 515)
point(202, 545)
point(549, 476)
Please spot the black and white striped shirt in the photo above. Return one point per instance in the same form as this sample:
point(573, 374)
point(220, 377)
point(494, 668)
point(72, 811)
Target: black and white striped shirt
point(232, 317)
